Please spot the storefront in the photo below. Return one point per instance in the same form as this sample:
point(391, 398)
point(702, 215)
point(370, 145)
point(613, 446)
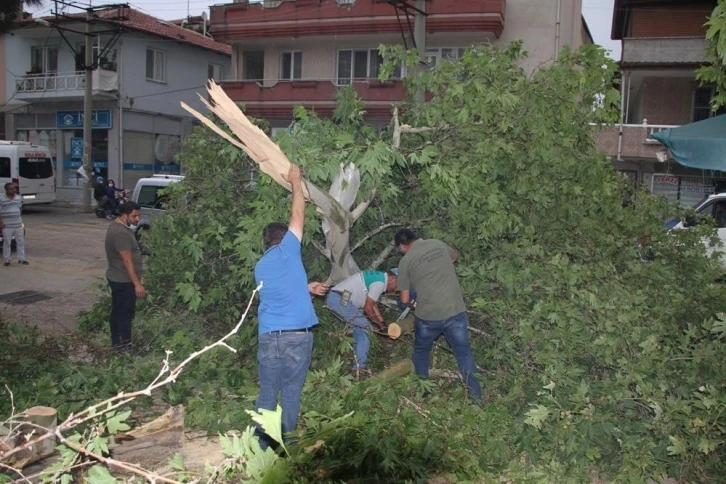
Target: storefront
point(148, 143)
point(687, 190)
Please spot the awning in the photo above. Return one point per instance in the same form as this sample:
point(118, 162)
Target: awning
point(697, 145)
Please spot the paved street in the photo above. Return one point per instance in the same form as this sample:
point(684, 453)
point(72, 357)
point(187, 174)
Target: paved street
point(67, 263)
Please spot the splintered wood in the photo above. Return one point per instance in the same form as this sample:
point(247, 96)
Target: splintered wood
point(250, 138)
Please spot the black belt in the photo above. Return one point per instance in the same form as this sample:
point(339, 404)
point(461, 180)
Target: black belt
point(299, 330)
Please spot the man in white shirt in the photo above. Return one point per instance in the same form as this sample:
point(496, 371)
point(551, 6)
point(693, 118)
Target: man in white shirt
point(11, 223)
point(355, 301)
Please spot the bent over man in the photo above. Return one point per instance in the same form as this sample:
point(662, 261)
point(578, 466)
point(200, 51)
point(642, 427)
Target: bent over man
point(355, 301)
point(286, 315)
point(428, 264)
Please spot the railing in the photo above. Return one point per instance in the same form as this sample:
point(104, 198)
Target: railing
point(631, 140)
point(50, 81)
point(103, 80)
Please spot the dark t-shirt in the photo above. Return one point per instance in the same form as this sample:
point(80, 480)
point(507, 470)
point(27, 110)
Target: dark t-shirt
point(120, 238)
point(428, 267)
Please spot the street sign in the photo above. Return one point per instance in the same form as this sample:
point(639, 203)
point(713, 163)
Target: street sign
point(76, 148)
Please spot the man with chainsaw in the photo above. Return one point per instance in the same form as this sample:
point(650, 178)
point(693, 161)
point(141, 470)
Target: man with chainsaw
point(355, 302)
point(428, 264)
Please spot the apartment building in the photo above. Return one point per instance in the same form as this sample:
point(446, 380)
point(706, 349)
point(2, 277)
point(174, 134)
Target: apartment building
point(299, 52)
point(663, 42)
point(143, 68)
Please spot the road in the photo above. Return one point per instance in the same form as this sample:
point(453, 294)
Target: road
point(65, 249)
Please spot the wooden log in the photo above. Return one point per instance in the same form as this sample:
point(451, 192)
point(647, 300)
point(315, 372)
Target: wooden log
point(39, 421)
point(396, 330)
point(395, 371)
point(158, 437)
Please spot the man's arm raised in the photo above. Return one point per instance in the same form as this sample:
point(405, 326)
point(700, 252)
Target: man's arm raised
point(297, 210)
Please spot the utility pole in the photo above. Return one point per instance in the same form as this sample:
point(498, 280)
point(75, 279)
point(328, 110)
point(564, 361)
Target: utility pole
point(88, 113)
point(419, 40)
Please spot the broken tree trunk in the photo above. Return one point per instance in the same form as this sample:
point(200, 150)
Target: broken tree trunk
point(395, 371)
point(158, 437)
point(35, 422)
point(399, 328)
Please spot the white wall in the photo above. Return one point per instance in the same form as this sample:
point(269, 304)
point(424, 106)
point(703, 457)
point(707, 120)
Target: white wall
point(186, 74)
point(535, 24)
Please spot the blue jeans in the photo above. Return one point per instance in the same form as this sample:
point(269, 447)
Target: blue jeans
point(284, 360)
point(358, 322)
point(454, 330)
point(123, 309)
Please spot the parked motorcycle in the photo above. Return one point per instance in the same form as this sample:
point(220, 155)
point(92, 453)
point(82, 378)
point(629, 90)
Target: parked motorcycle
point(109, 210)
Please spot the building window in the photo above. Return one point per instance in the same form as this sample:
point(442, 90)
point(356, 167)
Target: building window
point(434, 56)
point(253, 66)
point(107, 62)
point(702, 103)
point(361, 65)
point(155, 65)
point(291, 65)
point(44, 60)
point(215, 71)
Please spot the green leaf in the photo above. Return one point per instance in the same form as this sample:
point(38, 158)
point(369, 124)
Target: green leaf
point(98, 474)
point(270, 421)
point(115, 424)
point(536, 416)
point(677, 447)
point(177, 462)
point(706, 446)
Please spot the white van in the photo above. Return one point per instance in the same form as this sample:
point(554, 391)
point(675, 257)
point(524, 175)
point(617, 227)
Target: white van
point(149, 197)
point(28, 166)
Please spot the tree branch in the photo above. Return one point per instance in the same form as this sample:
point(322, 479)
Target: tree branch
point(399, 129)
point(373, 233)
point(328, 206)
point(362, 206)
point(383, 255)
point(320, 247)
point(121, 399)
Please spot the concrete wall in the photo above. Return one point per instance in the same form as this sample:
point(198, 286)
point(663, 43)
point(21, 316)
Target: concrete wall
point(186, 74)
point(535, 23)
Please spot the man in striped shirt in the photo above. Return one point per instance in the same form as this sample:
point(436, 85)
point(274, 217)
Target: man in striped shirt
point(11, 223)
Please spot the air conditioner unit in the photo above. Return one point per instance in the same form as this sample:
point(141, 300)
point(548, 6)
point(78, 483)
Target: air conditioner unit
point(345, 2)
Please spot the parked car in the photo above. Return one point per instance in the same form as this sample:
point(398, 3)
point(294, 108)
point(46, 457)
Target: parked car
point(713, 207)
point(148, 193)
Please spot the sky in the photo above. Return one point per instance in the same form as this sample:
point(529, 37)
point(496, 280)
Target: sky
point(597, 13)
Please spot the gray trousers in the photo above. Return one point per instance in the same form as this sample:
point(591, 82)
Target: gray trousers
point(8, 233)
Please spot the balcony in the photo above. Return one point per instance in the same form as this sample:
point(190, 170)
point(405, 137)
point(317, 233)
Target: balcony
point(70, 85)
point(664, 51)
point(276, 98)
point(635, 143)
point(300, 18)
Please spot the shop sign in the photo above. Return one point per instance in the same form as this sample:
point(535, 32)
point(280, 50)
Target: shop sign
point(100, 118)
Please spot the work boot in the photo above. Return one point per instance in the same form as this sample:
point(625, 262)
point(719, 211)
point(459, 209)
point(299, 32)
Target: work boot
point(23, 262)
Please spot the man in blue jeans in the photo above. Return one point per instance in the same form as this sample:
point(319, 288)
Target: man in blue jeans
point(428, 264)
point(286, 315)
point(355, 301)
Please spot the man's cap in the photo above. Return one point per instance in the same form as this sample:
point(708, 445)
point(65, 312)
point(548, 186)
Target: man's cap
point(395, 271)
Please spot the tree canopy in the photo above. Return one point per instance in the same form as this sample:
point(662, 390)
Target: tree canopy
point(715, 71)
